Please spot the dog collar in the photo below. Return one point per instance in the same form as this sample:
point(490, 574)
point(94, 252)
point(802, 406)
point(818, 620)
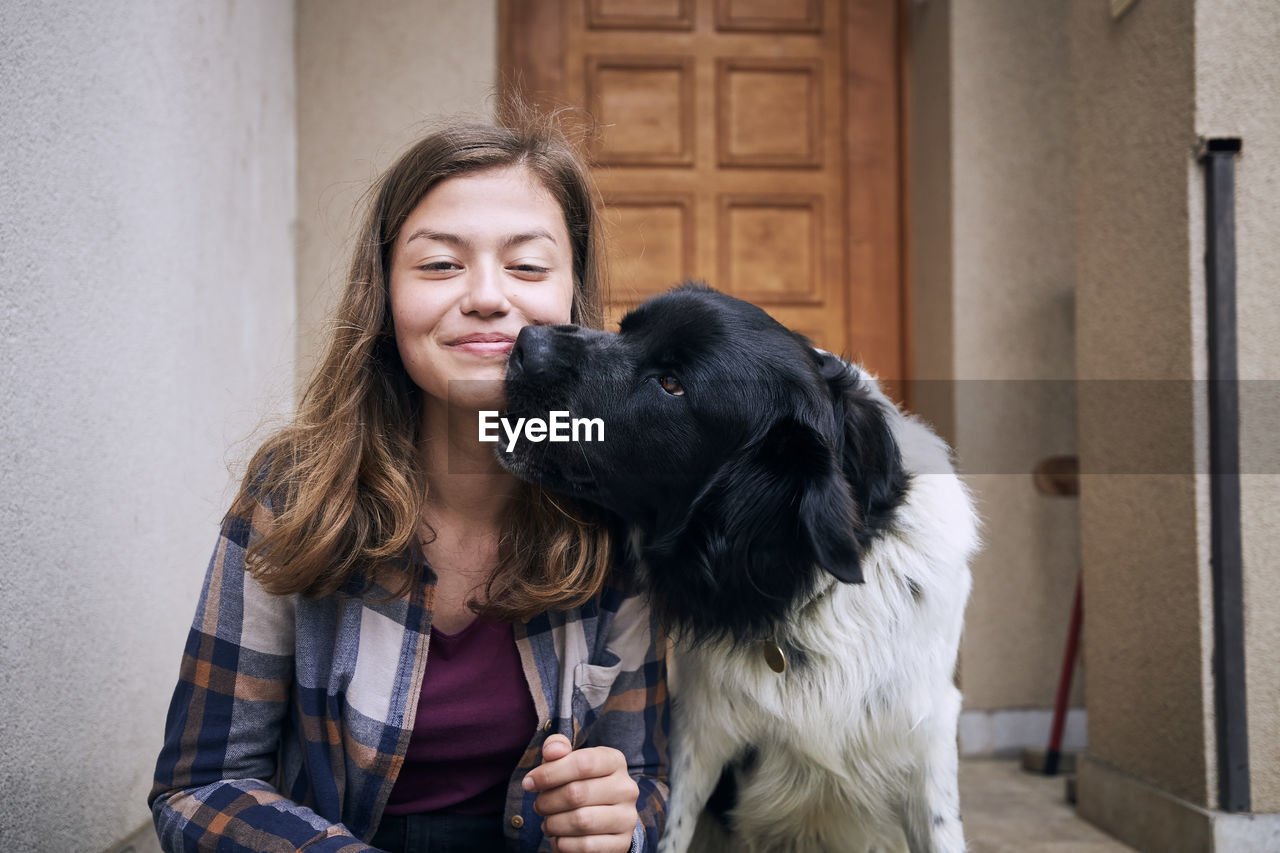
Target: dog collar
point(774, 656)
point(771, 649)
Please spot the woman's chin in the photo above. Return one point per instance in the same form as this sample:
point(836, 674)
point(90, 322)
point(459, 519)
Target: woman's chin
point(477, 394)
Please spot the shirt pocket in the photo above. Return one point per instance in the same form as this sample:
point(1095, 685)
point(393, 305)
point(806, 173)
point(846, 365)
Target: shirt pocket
point(592, 684)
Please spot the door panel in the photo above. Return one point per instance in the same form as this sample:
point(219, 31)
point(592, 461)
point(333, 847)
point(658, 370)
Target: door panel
point(750, 143)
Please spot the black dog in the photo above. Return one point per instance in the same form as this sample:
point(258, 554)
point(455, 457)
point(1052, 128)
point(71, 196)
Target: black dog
point(763, 482)
point(728, 473)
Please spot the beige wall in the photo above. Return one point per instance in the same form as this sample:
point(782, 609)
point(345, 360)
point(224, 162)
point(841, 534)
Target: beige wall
point(1052, 164)
point(146, 199)
point(929, 171)
point(1150, 84)
point(372, 76)
point(1057, 233)
point(1238, 94)
point(992, 255)
point(1140, 316)
point(1014, 344)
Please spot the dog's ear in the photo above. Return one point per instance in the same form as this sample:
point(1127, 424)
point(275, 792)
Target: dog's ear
point(748, 546)
point(870, 457)
point(801, 495)
point(828, 517)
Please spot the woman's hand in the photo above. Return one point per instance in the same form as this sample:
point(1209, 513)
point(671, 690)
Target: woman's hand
point(586, 798)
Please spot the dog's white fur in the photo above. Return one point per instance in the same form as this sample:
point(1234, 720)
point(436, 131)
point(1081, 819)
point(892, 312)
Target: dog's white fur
point(855, 741)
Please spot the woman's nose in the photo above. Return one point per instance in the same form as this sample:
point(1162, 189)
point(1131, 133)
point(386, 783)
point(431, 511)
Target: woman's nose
point(486, 291)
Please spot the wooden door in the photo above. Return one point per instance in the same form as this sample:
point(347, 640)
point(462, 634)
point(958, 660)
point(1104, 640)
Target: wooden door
point(753, 144)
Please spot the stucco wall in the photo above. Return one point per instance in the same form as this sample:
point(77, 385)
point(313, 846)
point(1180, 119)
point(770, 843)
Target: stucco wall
point(372, 76)
point(1238, 94)
point(929, 173)
point(147, 163)
point(1053, 161)
point(1014, 342)
point(993, 281)
point(1140, 316)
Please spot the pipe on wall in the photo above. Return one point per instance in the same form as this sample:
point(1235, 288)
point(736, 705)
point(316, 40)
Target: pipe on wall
point(1226, 548)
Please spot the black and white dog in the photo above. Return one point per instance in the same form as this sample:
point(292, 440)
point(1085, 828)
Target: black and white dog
point(809, 545)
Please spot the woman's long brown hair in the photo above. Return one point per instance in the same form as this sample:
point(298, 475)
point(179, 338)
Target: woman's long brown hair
point(343, 482)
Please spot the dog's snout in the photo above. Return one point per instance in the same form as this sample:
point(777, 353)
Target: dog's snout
point(515, 359)
point(534, 353)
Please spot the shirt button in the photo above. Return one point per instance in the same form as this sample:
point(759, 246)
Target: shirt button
point(546, 727)
point(517, 821)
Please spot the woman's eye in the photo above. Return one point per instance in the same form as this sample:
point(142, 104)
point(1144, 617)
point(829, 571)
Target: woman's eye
point(438, 266)
point(671, 385)
point(529, 269)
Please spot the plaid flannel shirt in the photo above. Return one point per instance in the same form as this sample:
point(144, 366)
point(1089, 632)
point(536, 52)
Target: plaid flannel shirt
point(291, 716)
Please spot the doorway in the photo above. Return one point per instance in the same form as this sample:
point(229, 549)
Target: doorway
point(753, 144)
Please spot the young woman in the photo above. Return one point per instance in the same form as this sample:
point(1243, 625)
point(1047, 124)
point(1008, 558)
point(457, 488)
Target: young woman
point(398, 645)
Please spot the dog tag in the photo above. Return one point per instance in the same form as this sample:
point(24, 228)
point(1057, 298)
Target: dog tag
point(774, 656)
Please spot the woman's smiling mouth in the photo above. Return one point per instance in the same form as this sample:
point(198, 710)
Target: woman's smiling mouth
point(485, 344)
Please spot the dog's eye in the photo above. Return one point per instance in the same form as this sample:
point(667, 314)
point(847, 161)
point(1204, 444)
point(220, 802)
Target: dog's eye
point(671, 385)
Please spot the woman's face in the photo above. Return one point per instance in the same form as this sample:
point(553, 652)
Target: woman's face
point(479, 258)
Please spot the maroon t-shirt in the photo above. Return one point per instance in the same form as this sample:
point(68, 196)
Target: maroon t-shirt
point(474, 721)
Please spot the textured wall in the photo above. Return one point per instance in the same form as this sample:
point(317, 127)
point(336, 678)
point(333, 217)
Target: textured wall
point(1014, 342)
point(993, 278)
point(1140, 316)
point(372, 76)
point(1053, 161)
point(147, 185)
point(929, 172)
point(1238, 94)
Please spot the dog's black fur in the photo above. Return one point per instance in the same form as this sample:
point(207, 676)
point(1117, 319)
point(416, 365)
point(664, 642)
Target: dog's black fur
point(746, 461)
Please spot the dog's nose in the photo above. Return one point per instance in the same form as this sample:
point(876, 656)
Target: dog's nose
point(534, 350)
